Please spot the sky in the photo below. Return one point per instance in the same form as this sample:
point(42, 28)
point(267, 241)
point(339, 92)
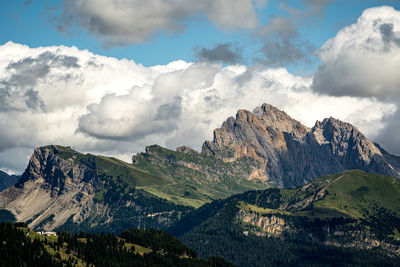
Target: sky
point(113, 76)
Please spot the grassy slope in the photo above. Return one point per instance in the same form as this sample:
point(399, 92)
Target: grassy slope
point(128, 173)
point(357, 190)
point(166, 174)
point(349, 194)
point(262, 211)
point(157, 184)
point(171, 164)
point(179, 194)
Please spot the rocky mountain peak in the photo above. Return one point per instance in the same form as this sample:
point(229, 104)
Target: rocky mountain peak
point(279, 120)
point(345, 139)
point(54, 184)
point(52, 163)
point(290, 153)
point(250, 127)
point(252, 150)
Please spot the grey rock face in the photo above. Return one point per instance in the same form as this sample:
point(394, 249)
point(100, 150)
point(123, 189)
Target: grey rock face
point(64, 188)
point(60, 174)
point(51, 187)
point(292, 154)
point(7, 180)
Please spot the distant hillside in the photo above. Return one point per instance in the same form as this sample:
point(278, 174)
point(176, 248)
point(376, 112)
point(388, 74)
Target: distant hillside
point(64, 189)
point(212, 177)
point(24, 247)
point(7, 180)
point(351, 218)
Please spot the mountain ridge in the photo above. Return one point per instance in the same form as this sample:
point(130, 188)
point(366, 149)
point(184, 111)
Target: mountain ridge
point(266, 148)
point(7, 180)
point(64, 188)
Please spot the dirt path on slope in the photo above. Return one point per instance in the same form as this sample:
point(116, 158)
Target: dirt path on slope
point(308, 201)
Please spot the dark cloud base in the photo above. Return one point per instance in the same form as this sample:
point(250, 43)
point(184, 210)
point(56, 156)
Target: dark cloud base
point(222, 53)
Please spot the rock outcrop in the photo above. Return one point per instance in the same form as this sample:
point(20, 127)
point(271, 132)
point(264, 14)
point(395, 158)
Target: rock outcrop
point(291, 154)
point(262, 225)
point(51, 187)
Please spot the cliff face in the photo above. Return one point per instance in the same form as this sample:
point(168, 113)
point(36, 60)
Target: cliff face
point(51, 187)
point(338, 235)
point(64, 188)
point(291, 154)
point(260, 225)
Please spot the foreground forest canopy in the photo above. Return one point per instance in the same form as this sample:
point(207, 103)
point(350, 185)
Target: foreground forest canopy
point(20, 246)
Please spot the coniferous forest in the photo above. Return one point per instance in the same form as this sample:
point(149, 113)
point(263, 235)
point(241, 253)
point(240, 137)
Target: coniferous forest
point(20, 246)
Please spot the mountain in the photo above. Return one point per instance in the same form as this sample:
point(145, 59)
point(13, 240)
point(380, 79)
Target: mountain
point(267, 148)
point(7, 180)
point(134, 247)
point(64, 189)
point(67, 190)
point(351, 218)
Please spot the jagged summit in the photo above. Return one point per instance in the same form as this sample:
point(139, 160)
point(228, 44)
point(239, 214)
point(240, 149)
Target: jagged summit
point(290, 153)
point(280, 150)
point(42, 163)
point(274, 117)
point(345, 139)
point(246, 134)
point(266, 116)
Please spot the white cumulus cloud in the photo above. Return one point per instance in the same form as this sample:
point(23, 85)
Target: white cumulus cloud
point(115, 107)
point(363, 60)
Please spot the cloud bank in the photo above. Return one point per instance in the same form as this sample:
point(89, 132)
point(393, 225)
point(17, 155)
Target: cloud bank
point(123, 22)
point(363, 60)
point(63, 95)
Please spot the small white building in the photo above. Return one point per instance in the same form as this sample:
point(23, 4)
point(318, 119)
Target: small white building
point(46, 233)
